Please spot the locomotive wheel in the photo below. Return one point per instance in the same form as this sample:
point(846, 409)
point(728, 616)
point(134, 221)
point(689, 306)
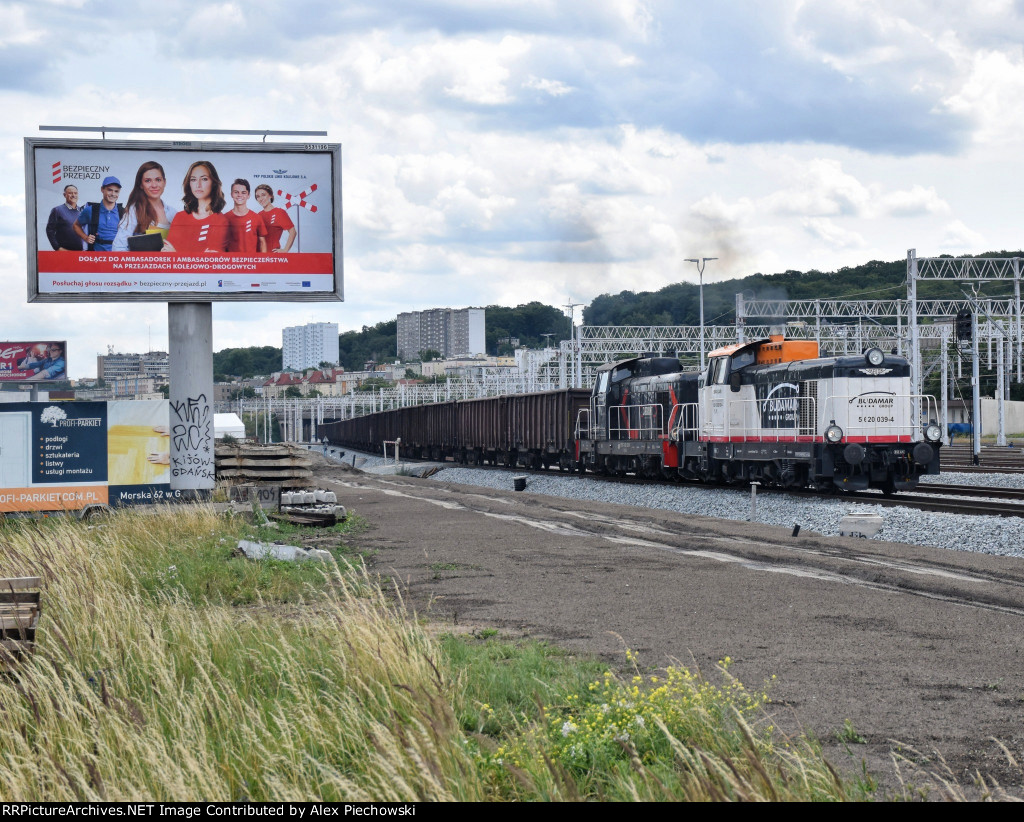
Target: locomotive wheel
point(889, 487)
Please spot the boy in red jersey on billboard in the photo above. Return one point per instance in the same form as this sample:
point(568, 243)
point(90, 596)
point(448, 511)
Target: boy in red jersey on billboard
point(247, 233)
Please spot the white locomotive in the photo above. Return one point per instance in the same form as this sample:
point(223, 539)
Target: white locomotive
point(771, 411)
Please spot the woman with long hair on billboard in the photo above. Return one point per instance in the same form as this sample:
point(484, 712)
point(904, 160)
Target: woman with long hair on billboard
point(200, 228)
point(146, 211)
point(276, 220)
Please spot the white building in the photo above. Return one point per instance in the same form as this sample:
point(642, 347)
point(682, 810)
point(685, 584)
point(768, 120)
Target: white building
point(306, 346)
point(122, 366)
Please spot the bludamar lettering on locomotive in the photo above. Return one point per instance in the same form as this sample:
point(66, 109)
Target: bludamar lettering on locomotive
point(874, 408)
point(779, 405)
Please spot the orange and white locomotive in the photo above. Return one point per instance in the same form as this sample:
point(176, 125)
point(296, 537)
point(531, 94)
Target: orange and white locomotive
point(771, 411)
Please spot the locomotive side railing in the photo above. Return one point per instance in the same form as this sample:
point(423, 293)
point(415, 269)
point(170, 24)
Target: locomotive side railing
point(582, 431)
point(880, 420)
point(684, 422)
point(771, 419)
point(636, 422)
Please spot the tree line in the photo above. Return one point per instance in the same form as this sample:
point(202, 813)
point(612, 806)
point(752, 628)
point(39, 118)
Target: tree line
point(534, 324)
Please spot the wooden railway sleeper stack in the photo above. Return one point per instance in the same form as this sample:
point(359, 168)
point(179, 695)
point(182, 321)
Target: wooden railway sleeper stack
point(20, 608)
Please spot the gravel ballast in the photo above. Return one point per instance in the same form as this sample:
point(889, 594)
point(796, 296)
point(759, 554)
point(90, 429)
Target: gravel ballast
point(1003, 536)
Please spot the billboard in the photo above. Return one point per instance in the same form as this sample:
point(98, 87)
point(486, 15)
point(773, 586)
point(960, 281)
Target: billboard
point(65, 456)
point(33, 361)
point(183, 221)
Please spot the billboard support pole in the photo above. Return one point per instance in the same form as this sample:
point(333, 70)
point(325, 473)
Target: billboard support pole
point(190, 344)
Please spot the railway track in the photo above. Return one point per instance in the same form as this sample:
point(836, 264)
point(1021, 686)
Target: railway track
point(932, 497)
point(971, 491)
point(943, 505)
point(993, 459)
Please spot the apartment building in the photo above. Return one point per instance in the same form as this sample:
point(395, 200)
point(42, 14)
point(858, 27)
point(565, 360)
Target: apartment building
point(453, 332)
point(306, 346)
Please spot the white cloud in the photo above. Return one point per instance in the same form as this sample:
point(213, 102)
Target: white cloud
point(555, 88)
point(958, 238)
point(912, 202)
point(821, 188)
point(826, 231)
point(991, 96)
point(479, 71)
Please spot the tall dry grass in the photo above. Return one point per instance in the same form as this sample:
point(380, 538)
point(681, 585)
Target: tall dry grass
point(136, 696)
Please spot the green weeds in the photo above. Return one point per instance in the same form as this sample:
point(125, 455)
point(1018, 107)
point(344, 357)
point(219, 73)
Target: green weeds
point(849, 734)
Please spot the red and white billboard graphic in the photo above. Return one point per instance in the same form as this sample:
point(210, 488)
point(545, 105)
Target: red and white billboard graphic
point(186, 220)
point(33, 361)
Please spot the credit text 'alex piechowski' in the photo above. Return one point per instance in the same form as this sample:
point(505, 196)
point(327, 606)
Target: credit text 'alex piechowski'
point(192, 811)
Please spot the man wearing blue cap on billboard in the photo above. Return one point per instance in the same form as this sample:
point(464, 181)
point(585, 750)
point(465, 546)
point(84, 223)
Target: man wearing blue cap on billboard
point(97, 224)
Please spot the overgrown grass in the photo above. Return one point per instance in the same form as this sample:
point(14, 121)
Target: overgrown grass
point(169, 669)
point(141, 689)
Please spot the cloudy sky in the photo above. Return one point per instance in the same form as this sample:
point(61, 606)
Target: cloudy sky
point(517, 150)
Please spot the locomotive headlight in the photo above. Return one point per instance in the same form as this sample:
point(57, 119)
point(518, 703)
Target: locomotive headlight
point(932, 432)
point(833, 433)
point(874, 356)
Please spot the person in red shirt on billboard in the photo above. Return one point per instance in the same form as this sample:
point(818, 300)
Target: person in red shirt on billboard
point(247, 233)
point(276, 220)
point(200, 228)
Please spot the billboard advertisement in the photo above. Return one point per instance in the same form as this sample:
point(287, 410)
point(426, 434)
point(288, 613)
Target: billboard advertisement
point(183, 221)
point(65, 456)
point(33, 361)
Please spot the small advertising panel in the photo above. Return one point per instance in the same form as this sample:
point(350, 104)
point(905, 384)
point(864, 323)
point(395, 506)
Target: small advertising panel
point(65, 456)
point(183, 221)
point(33, 361)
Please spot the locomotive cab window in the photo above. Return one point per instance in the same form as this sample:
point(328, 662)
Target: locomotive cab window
point(720, 375)
point(743, 359)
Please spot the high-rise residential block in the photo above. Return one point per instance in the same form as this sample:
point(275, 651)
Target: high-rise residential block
point(452, 332)
point(306, 346)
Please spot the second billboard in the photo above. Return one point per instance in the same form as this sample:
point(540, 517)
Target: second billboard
point(183, 221)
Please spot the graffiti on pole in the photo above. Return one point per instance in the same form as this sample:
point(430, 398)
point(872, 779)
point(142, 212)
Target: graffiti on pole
point(192, 438)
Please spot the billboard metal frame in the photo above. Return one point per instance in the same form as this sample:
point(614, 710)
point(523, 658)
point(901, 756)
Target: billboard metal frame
point(32, 237)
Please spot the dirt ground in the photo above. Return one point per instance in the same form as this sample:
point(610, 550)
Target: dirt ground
point(919, 648)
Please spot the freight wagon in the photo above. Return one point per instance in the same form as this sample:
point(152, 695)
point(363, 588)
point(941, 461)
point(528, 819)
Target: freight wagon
point(533, 430)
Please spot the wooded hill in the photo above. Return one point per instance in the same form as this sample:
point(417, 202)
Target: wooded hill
point(676, 304)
